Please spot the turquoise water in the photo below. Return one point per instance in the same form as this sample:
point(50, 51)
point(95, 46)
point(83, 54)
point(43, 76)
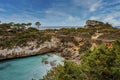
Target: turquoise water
point(28, 68)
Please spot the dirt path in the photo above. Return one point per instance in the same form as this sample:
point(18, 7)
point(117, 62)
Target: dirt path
point(96, 35)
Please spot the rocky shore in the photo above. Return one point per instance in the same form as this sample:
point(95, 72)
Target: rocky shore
point(31, 49)
point(68, 43)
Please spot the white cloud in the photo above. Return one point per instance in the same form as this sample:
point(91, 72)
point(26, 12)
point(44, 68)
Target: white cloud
point(74, 21)
point(75, 12)
point(108, 13)
point(19, 18)
point(112, 18)
point(95, 6)
point(92, 5)
point(71, 18)
point(2, 10)
point(114, 2)
point(94, 18)
point(54, 17)
point(50, 12)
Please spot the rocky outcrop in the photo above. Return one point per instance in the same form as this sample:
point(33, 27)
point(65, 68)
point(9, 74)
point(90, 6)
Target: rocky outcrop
point(31, 49)
point(92, 23)
point(68, 50)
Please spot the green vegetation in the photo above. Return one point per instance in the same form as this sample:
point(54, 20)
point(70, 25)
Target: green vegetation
point(86, 46)
point(70, 71)
point(12, 35)
point(100, 64)
point(68, 39)
point(38, 24)
point(18, 34)
point(105, 25)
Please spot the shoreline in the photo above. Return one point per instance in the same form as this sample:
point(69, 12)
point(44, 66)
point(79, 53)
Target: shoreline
point(25, 56)
point(29, 66)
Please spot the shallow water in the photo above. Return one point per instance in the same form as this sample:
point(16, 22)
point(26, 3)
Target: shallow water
point(28, 68)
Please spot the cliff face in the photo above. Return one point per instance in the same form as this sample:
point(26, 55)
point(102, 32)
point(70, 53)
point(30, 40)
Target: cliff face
point(31, 49)
point(67, 42)
point(63, 45)
point(94, 23)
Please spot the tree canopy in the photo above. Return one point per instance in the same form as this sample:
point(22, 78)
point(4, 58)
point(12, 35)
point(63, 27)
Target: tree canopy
point(38, 24)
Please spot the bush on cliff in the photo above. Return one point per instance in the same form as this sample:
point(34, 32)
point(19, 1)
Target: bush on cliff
point(70, 71)
point(100, 64)
point(21, 38)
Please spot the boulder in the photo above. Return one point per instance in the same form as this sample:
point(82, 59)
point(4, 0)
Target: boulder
point(46, 62)
point(52, 63)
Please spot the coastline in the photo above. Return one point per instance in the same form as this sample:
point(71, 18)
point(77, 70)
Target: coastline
point(25, 56)
point(29, 68)
point(21, 52)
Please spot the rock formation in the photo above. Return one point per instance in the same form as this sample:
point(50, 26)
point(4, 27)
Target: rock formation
point(92, 23)
point(30, 50)
point(68, 43)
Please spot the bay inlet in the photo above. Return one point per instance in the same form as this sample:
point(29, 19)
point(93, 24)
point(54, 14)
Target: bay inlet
point(34, 67)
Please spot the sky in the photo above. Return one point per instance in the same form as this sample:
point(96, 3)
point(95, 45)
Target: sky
point(60, 12)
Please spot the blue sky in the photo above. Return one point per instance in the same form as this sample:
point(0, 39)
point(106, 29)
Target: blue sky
point(60, 12)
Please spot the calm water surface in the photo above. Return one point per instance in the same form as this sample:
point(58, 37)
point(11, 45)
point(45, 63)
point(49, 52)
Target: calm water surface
point(28, 68)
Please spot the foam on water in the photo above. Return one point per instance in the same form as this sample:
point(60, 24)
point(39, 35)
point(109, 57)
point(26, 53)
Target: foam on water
point(27, 68)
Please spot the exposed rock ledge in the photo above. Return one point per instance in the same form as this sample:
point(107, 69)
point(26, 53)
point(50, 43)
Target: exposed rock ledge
point(32, 49)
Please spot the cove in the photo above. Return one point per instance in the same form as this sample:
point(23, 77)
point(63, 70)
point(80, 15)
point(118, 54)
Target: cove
point(28, 68)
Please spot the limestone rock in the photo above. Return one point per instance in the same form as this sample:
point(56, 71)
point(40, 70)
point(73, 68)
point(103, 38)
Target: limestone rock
point(92, 23)
point(47, 46)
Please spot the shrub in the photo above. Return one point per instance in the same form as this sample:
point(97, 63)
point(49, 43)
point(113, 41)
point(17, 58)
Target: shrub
point(100, 64)
point(70, 71)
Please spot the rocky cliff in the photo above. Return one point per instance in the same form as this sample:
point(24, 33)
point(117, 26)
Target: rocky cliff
point(95, 23)
point(67, 42)
point(31, 49)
